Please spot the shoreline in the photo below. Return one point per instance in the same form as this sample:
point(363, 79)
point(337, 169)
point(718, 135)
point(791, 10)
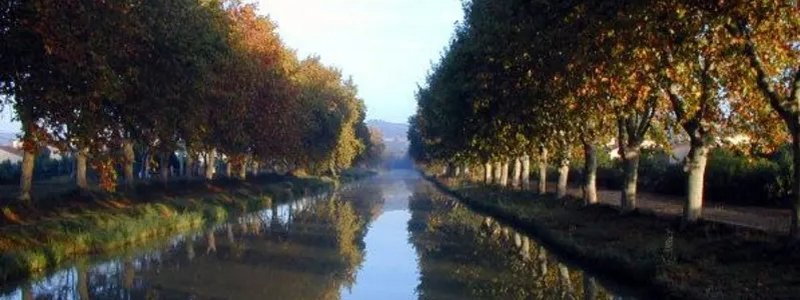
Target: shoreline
point(656, 255)
point(114, 221)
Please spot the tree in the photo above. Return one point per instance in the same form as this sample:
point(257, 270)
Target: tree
point(332, 113)
point(767, 35)
point(26, 72)
point(112, 78)
point(694, 45)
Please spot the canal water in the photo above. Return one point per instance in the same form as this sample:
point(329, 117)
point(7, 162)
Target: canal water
point(393, 236)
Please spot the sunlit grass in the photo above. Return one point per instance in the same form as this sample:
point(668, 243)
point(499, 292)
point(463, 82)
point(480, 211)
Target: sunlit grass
point(27, 250)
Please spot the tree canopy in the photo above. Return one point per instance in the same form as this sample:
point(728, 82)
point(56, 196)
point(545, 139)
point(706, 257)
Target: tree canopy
point(206, 78)
point(521, 75)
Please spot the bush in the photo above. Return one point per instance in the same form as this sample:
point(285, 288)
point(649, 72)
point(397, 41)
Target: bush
point(730, 178)
point(9, 173)
point(45, 168)
point(659, 175)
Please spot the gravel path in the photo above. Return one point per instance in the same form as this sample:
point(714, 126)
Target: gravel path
point(768, 219)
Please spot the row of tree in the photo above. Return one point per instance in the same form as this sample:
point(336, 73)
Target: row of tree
point(209, 78)
point(550, 80)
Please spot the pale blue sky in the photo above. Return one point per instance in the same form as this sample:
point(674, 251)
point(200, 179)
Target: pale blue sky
point(6, 125)
point(386, 45)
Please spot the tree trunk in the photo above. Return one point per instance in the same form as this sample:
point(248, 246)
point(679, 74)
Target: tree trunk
point(504, 174)
point(212, 242)
point(457, 171)
point(498, 172)
point(333, 170)
point(128, 275)
point(27, 292)
point(565, 281)
point(211, 164)
point(542, 171)
point(795, 229)
point(487, 173)
point(542, 258)
point(83, 282)
point(80, 169)
point(630, 160)
point(228, 169)
point(243, 168)
point(590, 174)
point(517, 173)
point(128, 157)
point(145, 169)
point(181, 172)
point(164, 167)
point(190, 162)
point(26, 178)
point(525, 250)
point(589, 287)
point(190, 254)
point(255, 170)
point(526, 171)
point(696, 167)
point(563, 177)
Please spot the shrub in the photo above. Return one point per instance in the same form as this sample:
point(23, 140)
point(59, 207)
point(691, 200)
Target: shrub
point(731, 178)
point(45, 167)
point(9, 173)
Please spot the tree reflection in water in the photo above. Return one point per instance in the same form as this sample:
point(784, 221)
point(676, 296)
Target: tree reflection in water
point(463, 255)
point(313, 247)
point(307, 249)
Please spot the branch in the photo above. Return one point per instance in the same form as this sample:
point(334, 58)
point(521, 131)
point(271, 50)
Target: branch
point(796, 87)
point(620, 136)
point(763, 80)
point(630, 126)
point(645, 122)
point(676, 100)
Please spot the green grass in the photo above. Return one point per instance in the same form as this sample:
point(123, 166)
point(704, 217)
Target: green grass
point(58, 231)
point(708, 260)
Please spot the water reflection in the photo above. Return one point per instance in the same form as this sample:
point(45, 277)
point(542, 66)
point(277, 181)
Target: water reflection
point(392, 237)
point(306, 249)
point(467, 256)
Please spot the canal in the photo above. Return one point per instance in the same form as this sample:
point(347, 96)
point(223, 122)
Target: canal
point(393, 236)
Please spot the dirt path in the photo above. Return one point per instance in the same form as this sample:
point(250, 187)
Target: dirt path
point(769, 219)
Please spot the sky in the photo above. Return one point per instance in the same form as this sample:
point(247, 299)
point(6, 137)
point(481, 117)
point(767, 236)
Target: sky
point(388, 46)
point(6, 123)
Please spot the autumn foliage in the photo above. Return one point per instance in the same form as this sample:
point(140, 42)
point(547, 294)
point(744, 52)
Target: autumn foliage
point(200, 82)
point(523, 77)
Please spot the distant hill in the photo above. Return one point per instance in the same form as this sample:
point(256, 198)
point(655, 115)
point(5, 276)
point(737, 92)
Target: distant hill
point(394, 136)
point(396, 131)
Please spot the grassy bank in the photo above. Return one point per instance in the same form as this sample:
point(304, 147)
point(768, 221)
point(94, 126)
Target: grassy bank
point(708, 260)
point(38, 238)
